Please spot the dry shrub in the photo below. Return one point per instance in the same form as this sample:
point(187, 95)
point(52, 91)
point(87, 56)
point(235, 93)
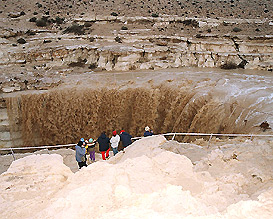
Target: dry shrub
point(190, 22)
point(41, 22)
point(76, 29)
point(229, 65)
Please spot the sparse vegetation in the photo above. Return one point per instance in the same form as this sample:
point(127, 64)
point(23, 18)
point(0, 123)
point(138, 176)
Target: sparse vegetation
point(93, 66)
point(236, 29)
point(30, 33)
point(41, 23)
point(191, 22)
point(21, 41)
point(155, 15)
point(87, 24)
point(114, 14)
point(229, 65)
point(76, 29)
point(59, 20)
point(118, 39)
point(39, 5)
point(124, 28)
point(33, 19)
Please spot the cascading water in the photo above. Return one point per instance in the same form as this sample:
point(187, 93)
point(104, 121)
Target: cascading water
point(172, 100)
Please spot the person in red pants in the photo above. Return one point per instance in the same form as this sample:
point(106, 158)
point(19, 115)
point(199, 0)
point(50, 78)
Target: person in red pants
point(104, 145)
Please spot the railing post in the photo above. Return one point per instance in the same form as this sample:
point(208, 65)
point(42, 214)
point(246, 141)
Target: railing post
point(209, 140)
point(173, 137)
point(12, 154)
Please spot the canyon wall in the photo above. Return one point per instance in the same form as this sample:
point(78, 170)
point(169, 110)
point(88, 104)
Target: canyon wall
point(150, 52)
point(124, 50)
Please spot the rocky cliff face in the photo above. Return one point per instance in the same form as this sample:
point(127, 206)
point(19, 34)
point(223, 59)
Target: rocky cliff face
point(133, 49)
point(150, 52)
point(10, 123)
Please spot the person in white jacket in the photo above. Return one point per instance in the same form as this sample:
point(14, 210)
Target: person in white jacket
point(114, 142)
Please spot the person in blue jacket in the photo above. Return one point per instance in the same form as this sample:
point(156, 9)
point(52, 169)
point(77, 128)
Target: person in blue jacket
point(80, 154)
point(125, 138)
point(148, 132)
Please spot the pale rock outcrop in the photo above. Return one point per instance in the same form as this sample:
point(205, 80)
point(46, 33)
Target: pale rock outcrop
point(139, 50)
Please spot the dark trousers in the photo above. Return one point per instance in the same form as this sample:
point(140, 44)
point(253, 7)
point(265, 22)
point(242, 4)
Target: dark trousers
point(82, 164)
point(92, 155)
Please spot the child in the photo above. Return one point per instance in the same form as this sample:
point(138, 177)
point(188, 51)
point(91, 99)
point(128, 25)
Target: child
point(91, 149)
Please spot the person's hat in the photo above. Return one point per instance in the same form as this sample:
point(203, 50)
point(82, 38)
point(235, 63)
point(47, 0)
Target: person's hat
point(147, 128)
point(90, 140)
point(82, 139)
point(80, 143)
point(114, 132)
point(122, 131)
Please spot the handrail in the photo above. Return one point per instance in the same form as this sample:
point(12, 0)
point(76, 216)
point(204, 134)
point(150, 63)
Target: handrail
point(208, 134)
point(38, 147)
point(136, 138)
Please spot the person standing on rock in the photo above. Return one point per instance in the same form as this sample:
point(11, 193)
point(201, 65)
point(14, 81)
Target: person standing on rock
point(104, 146)
point(91, 149)
point(85, 145)
point(148, 132)
point(80, 154)
point(114, 142)
point(125, 138)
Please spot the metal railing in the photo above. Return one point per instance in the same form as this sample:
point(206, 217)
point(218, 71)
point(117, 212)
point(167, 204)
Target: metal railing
point(136, 138)
point(209, 134)
point(37, 147)
point(213, 134)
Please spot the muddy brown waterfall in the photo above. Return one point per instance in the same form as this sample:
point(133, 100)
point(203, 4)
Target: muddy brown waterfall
point(63, 116)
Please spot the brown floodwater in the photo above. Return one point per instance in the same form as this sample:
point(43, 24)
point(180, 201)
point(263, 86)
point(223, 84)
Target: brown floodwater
point(169, 100)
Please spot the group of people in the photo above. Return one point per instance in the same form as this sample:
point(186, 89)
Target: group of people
point(84, 147)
